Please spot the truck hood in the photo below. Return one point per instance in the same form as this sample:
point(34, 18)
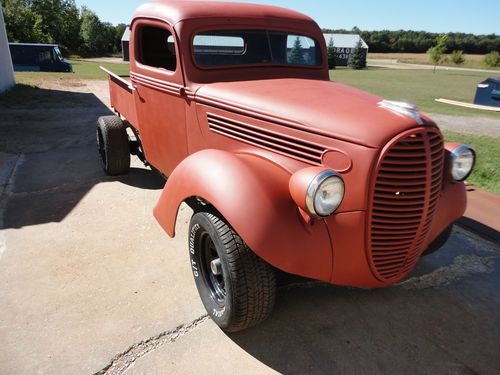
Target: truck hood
point(326, 107)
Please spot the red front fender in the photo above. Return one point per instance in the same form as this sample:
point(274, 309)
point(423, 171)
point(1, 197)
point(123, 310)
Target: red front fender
point(252, 194)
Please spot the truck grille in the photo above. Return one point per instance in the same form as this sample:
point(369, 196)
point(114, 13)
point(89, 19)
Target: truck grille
point(404, 197)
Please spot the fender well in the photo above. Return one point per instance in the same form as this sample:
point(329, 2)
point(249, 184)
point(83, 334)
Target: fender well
point(253, 196)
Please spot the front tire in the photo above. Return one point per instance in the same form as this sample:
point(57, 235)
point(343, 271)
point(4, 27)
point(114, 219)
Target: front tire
point(236, 287)
point(113, 145)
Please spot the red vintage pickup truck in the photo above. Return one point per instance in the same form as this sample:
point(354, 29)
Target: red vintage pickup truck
point(283, 168)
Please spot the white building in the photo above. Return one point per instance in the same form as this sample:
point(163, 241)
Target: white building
point(7, 78)
point(344, 45)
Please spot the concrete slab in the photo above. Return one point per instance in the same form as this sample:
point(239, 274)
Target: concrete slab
point(7, 165)
point(91, 284)
point(85, 271)
point(444, 319)
point(204, 350)
point(76, 292)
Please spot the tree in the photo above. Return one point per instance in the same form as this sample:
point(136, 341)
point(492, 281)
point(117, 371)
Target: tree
point(296, 54)
point(93, 34)
point(330, 51)
point(436, 53)
point(457, 57)
point(119, 31)
point(358, 57)
point(22, 23)
point(70, 26)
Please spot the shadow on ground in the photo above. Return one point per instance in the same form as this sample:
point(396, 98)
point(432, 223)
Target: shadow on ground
point(49, 138)
point(445, 319)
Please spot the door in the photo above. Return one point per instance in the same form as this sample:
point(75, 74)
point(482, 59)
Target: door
point(161, 108)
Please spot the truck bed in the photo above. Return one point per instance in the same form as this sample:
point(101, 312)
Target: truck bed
point(121, 92)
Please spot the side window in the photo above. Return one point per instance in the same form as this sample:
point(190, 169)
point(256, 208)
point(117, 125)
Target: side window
point(44, 57)
point(156, 48)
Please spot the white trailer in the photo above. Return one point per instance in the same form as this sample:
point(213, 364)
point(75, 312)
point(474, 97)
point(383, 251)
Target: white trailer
point(7, 78)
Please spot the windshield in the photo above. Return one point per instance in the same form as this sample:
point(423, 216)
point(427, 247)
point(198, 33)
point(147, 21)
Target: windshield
point(255, 47)
point(58, 54)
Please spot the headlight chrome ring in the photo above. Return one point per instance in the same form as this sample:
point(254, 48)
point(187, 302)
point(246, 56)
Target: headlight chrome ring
point(322, 199)
point(463, 159)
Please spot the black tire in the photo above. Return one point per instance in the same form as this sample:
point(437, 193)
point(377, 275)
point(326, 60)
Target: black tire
point(113, 145)
point(243, 294)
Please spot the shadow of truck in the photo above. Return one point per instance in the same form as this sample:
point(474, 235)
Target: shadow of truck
point(50, 134)
point(443, 320)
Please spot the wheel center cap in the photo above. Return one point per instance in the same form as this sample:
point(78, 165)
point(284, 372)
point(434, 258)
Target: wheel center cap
point(216, 267)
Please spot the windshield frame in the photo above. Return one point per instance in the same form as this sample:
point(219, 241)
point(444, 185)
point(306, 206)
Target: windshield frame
point(266, 28)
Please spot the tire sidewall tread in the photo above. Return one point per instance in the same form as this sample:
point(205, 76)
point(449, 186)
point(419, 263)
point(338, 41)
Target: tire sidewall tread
point(116, 145)
point(249, 282)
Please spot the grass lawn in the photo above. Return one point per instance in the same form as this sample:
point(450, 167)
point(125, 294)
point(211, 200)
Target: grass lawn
point(487, 171)
point(471, 61)
point(82, 70)
point(419, 86)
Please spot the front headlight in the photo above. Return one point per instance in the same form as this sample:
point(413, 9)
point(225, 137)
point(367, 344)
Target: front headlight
point(463, 159)
point(317, 191)
point(325, 193)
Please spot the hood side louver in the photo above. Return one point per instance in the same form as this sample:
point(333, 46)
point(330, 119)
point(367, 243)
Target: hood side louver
point(286, 145)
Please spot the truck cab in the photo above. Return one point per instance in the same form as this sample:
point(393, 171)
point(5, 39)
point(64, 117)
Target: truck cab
point(283, 168)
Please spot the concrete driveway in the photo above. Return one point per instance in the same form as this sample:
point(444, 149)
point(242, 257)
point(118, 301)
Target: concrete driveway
point(89, 283)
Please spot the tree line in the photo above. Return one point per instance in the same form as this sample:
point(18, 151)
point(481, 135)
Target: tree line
point(76, 30)
point(407, 41)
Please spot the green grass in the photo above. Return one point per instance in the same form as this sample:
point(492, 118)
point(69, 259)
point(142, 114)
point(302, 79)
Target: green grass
point(82, 70)
point(421, 87)
point(471, 61)
point(487, 170)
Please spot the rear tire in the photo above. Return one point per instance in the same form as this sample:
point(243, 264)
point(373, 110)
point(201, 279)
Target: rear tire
point(236, 287)
point(113, 144)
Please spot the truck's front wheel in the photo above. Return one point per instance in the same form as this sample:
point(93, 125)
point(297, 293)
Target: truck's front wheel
point(113, 144)
point(236, 286)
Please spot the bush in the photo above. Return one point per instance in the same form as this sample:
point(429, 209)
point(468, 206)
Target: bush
point(457, 57)
point(492, 59)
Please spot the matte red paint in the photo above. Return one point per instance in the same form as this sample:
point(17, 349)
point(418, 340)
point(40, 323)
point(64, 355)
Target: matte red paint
point(234, 137)
point(299, 184)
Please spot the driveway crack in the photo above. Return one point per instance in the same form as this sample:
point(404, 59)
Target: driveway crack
point(121, 362)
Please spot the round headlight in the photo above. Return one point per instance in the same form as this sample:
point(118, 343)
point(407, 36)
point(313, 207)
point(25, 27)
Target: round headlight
point(463, 159)
point(325, 193)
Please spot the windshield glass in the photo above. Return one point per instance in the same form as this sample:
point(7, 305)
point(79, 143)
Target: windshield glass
point(255, 47)
point(58, 54)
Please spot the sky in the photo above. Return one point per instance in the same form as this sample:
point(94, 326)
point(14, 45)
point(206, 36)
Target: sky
point(440, 16)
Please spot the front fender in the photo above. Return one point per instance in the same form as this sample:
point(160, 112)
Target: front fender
point(253, 196)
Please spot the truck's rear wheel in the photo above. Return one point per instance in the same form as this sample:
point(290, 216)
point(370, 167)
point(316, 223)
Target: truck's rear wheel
point(236, 286)
point(113, 143)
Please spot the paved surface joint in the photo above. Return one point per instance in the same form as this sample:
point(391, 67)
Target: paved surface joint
point(120, 363)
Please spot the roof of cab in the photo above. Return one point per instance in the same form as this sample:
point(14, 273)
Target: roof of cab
point(174, 11)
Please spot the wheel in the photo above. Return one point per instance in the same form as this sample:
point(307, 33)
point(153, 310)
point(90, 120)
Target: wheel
point(113, 143)
point(236, 287)
point(439, 242)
